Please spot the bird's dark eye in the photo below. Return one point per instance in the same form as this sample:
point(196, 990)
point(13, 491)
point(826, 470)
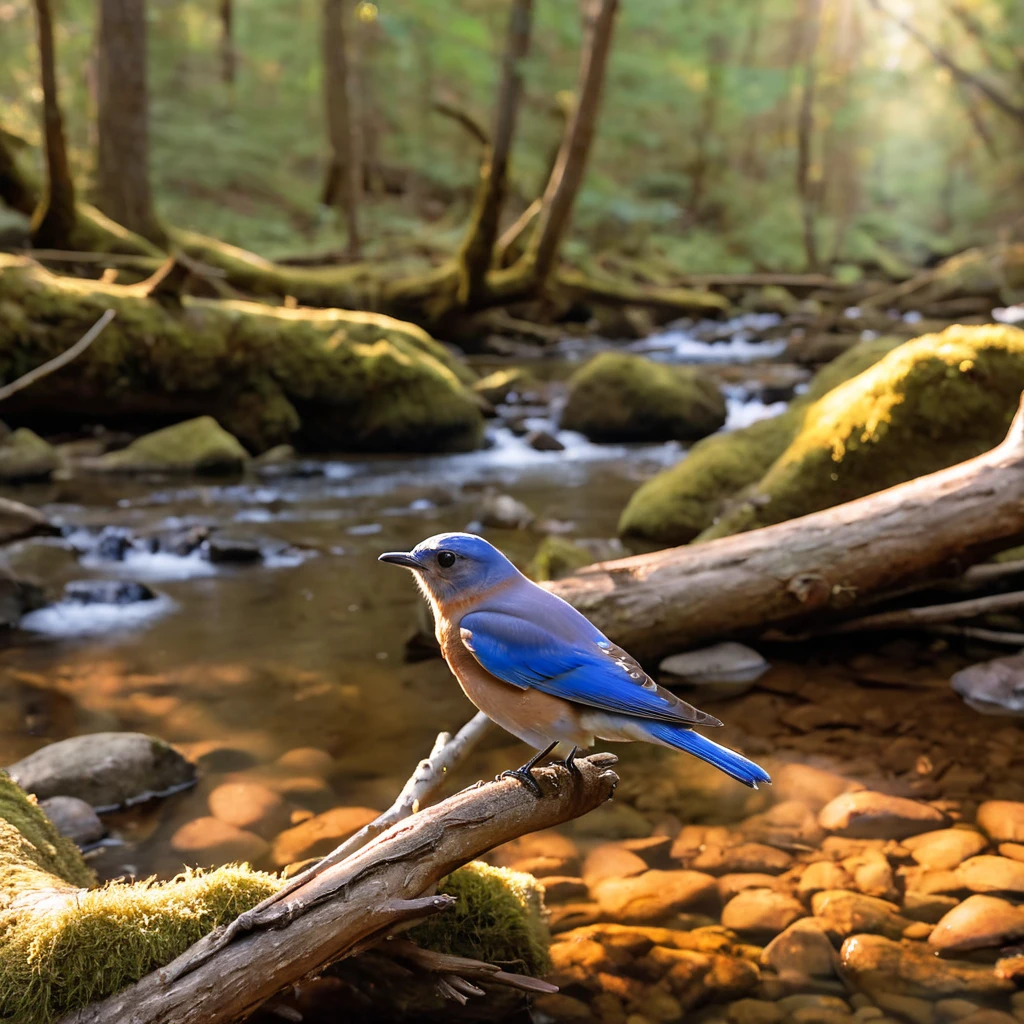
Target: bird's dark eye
point(446, 559)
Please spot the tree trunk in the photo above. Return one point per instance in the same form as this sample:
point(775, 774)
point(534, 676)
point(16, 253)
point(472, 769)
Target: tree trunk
point(343, 185)
point(806, 186)
point(819, 565)
point(355, 903)
point(54, 218)
point(122, 119)
point(716, 56)
point(228, 57)
point(15, 189)
point(476, 255)
point(567, 176)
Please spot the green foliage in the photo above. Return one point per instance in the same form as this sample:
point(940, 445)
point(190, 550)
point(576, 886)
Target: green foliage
point(557, 557)
point(695, 153)
point(498, 918)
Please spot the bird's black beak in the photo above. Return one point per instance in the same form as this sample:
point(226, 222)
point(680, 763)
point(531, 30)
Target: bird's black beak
point(399, 558)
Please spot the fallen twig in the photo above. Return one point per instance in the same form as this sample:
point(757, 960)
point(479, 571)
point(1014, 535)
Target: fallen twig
point(994, 636)
point(57, 362)
point(935, 613)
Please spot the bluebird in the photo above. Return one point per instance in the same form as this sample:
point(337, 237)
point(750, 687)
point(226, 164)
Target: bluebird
point(541, 670)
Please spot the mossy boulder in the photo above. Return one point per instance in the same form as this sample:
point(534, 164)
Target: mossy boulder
point(995, 272)
point(201, 445)
point(25, 456)
point(617, 396)
point(324, 379)
point(771, 298)
point(930, 403)
point(499, 917)
point(558, 557)
point(684, 500)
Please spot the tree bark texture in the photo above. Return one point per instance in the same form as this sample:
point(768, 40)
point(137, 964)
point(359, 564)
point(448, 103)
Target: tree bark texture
point(809, 569)
point(806, 186)
point(355, 903)
point(54, 218)
point(344, 182)
point(123, 189)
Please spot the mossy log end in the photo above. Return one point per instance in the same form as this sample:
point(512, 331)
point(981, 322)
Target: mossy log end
point(325, 379)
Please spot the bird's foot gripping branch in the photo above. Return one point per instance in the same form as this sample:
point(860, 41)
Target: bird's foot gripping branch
point(395, 872)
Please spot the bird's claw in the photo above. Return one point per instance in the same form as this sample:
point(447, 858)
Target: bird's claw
point(525, 776)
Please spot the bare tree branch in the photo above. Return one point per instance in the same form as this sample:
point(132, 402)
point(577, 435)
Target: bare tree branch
point(940, 56)
point(58, 361)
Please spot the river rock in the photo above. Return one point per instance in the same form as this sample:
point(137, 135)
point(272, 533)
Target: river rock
point(717, 672)
point(655, 895)
point(871, 815)
point(18, 597)
point(210, 842)
point(813, 787)
point(563, 888)
point(307, 761)
point(498, 386)
point(946, 848)
point(844, 913)
point(618, 396)
point(822, 875)
point(1015, 851)
point(993, 687)
point(730, 885)
point(318, 836)
point(25, 456)
point(611, 860)
point(504, 512)
point(113, 543)
point(874, 963)
point(745, 857)
point(543, 441)
point(106, 769)
point(980, 922)
point(74, 818)
point(1002, 820)
point(754, 1011)
point(250, 806)
point(802, 949)
point(992, 874)
point(928, 908)
point(18, 520)
point(761, 912)
point(225, 548)
point(119, 592)
point(195, 446)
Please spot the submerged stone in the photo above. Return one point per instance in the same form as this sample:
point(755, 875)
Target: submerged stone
point(723, 670)
point(119, 592)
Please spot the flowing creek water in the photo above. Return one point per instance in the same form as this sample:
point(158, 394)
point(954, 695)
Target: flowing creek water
point(239, 664)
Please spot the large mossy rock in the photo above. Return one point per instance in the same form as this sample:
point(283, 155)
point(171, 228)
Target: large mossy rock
point(996, 273)
point(684, 500)
point(201, 445)
point(621, 397)
point(930, 403)
point(25, 456)
point(325, 379)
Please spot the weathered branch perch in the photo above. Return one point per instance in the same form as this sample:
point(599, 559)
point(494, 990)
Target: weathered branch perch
point(355, 903)
point(820, 565)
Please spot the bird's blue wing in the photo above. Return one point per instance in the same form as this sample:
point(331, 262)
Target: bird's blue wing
point(592, 671)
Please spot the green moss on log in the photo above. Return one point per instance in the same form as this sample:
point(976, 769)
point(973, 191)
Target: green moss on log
point(328, 379)
point(621, 397)
point(930, 403)
point(64, 943)
point(557, 557)
point(498, 918)
point(679, 503)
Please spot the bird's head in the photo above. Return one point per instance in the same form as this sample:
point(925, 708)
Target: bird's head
point(452, 566)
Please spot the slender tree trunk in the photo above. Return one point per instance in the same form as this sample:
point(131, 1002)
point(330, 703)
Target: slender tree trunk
point(477, 251)
point(228, 56)
point(716, 56)
point(122, 117)
point(749, 163)
point(15, 189)
point(364, 96)
point(806, 186)
point(567, 176)
point(54, 218)
point(345, 172)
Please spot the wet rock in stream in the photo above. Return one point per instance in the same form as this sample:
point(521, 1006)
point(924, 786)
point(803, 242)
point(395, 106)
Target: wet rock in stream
point(117, 592)
point(74, 818)
point(107, 770)
point(994, 687)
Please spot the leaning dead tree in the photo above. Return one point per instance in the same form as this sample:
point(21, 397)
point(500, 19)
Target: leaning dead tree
point(356, 901)
point(816, 569)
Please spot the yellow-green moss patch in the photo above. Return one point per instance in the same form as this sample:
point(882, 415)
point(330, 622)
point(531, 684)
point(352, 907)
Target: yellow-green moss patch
point(930, 403)
point(327, 379)
point(679, 503)
point(617, 396)
point(498, 917)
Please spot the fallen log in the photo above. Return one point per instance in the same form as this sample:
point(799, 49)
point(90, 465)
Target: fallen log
point(355, 903)
point(811, 570)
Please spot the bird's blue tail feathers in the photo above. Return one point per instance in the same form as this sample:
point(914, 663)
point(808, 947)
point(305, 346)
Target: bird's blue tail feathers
point(726, 760)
